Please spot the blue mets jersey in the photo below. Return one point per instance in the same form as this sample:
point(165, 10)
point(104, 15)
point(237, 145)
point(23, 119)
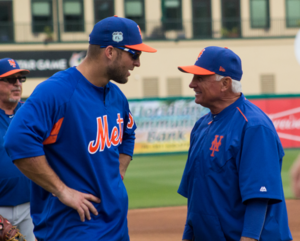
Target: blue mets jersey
point(14, 186)
point(234, 156)
point(81, 129)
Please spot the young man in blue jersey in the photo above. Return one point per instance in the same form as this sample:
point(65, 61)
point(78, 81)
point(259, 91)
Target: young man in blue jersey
point(74, 138)
point(232, 176)
point(14, 186)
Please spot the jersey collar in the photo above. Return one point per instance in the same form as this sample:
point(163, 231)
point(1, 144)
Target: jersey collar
point(229, 109)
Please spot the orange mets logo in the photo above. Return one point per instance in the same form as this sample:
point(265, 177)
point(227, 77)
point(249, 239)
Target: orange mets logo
point(140, 31)
point(222, 69)
point(131, 122)
point(12, 63)
point(201, 53)
point(215, 145)
point(103, 139)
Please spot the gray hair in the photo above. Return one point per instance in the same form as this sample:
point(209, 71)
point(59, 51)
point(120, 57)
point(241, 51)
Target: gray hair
point(236, 85)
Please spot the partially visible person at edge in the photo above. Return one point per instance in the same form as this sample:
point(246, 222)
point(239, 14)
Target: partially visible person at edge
point(232, 176)
point(74, 138)
point(14, 186)
point(295, 174)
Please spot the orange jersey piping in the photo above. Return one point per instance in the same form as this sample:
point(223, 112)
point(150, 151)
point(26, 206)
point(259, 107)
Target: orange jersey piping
point(54, 132)
point(242, 113)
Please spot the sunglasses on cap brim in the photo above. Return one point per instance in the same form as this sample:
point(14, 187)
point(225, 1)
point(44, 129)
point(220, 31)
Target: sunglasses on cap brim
point(135, 54)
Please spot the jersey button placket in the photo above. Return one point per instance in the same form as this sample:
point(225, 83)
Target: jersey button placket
point(203, 161)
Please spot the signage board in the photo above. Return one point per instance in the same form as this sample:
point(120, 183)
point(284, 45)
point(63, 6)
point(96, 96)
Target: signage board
point(285, 115)
point(43, 64)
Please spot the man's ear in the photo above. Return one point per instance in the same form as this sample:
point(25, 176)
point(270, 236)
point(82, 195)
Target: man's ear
point(109, 52)
point(226, 83)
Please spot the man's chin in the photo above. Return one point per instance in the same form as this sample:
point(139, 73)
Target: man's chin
point(14, 100)
point(200, 102)
point(197, 101)
point(121, 81)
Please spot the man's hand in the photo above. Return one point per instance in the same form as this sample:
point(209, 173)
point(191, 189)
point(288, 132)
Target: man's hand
point(38, 170)
point(248, 239)
point(79, 201)
point(295, 174)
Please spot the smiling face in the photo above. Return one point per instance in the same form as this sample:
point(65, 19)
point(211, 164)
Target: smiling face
point(207, 90)
point(10, 93)
point(119, 69)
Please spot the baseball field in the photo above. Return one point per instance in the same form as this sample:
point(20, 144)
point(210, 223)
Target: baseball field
point(157, 212)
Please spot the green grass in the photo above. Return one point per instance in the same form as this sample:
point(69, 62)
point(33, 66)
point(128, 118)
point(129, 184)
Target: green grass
point(289, 158)
point(152, 181)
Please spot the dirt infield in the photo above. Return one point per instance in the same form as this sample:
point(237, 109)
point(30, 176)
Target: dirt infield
point(167, 224)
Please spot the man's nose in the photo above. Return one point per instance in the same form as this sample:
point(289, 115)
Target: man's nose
point(18, 82)
point(137, 62)
point(193, 83)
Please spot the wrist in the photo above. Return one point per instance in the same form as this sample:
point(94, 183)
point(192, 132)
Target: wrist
point(247, 239)
point(59, 190)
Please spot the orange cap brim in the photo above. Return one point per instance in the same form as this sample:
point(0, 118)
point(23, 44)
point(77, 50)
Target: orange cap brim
point(193, 69)
point(14, 71)
point(142, 47)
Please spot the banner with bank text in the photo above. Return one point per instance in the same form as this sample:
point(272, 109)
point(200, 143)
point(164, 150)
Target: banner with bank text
point(285, 114)
point(164, 125)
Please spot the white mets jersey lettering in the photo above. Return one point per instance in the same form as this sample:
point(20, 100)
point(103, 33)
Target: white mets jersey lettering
point(103, 139)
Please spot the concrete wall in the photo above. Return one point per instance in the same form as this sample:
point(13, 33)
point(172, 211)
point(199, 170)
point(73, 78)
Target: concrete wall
point(259, 56)
point(23, 31)
point(264, 56)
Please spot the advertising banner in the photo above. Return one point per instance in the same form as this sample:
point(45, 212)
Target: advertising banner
point(285, 114)
point(164, 125)
point(45, 63)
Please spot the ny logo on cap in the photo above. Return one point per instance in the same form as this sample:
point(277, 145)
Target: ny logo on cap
point(117, 36)
point(12, 63)
point(201, 53)
point(222, 69)
point(140, 31)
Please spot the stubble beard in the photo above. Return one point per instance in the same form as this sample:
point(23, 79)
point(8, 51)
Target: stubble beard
point(11, 100)
point(116, 75)
point(116, 72)
point(15, 100)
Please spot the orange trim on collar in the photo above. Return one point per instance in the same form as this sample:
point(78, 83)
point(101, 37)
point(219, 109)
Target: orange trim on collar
point(242, 113)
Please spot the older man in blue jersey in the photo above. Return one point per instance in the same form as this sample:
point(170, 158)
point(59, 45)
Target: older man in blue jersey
point(14, 186)
point(232, 176)
point(74, 138)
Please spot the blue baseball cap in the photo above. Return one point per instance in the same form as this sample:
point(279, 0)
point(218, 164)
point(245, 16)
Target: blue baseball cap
point(119, 32)
point(10, 66)
point(216, 60)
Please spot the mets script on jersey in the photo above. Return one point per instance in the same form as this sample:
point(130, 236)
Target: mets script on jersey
point(103, 139)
